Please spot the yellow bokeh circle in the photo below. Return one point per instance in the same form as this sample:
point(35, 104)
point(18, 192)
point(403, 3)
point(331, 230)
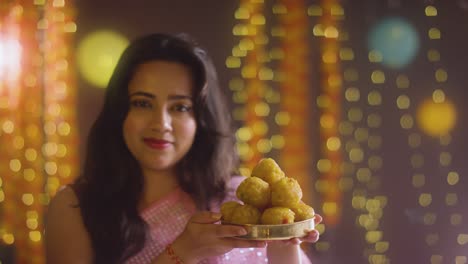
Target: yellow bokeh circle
point(98, 54)
point(436, 119)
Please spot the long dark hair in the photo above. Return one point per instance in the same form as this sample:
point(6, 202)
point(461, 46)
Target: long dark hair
point(110, 186)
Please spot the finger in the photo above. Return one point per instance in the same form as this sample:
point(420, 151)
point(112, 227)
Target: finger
point(292, 241)
point(295, 241)
point(317, 219)
point(229, 230)
point(205, 217)
point(239, 243)
point(311, 237)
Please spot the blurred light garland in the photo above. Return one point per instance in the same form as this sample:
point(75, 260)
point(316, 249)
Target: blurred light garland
point(437, 237)
point(257, 98)
point(249, 88)
point(11, 140)
point(38, 119)
point(273, 118)
point(329, 102)
point(295, 89)
point(361, 136)
point(327, 16)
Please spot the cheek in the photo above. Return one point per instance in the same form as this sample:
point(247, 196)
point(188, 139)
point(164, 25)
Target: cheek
point(188, 129)
point(130, 127)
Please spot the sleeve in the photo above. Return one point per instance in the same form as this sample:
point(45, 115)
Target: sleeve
point(304, 258)
point(232, 187)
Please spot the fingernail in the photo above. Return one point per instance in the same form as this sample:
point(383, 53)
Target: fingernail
point(216, 215)
point(242, 232)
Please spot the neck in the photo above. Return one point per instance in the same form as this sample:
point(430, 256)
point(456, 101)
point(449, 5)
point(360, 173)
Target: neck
point(157, 185)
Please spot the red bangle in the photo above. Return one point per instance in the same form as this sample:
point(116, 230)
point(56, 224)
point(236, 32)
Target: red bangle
point(173, 255)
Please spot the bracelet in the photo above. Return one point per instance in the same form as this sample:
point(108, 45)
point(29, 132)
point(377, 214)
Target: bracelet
point(173, 255)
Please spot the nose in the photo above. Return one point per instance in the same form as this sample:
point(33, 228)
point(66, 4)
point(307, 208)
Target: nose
point(161, 121)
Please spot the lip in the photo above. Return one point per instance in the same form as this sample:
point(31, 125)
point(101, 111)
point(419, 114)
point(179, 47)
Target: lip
point(157, 143)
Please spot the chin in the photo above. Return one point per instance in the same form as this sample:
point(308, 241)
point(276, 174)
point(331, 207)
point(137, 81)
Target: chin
point(159, 165)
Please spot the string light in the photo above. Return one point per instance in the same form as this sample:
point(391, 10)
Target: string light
point(44, 143)
point(362, 165)
point(439, 108)
point(294, 113)
point(248, 90)
point(331, 12)
point(269, 100)
point(329, 184)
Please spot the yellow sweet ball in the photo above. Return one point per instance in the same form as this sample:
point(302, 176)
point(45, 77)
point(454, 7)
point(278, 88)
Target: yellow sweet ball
point(227, 209)
point(254, 191)
point(286, 193)
point(268, 170)
point(302, 211)
point(245, 214)
point(277, 216)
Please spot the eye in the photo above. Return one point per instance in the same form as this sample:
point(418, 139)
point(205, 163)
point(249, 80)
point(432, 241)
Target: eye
point(182, 108)
point(138, 103)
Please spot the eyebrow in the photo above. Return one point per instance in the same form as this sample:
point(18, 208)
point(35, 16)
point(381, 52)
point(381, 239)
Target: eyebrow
point(152, 96)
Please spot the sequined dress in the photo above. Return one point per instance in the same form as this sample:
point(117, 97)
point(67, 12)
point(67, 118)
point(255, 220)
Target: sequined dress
point(167, 219)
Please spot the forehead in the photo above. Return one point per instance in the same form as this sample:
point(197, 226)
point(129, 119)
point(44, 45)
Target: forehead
point(162, 76)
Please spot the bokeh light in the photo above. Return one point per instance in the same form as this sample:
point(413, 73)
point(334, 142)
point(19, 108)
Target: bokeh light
point(436, 118)
point(98, 54)
point(10, 58)
point(395, 40)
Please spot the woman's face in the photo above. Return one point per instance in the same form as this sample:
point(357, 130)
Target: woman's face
point(160, 125)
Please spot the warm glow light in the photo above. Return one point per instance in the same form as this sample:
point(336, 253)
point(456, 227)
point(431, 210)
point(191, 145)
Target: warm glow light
point(98, 54)
point(37, 117)
point(10, 67)
point(10, 59)
point(436, 119)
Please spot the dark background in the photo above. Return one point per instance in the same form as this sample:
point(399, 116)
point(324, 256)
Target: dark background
point(211, 23)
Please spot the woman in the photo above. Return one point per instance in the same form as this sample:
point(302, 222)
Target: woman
point(159, 162)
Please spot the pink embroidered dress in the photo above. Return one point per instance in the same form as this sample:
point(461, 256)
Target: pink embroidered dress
point(167, 219)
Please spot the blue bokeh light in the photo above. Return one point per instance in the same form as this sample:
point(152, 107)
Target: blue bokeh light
point(396, 40)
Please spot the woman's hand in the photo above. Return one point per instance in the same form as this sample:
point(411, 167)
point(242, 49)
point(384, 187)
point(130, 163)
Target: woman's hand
point(312, 235)
point(203, 238)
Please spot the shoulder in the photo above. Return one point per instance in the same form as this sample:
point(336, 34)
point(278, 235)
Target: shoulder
point(67, 240)
point(64, 205)
point(65, 198)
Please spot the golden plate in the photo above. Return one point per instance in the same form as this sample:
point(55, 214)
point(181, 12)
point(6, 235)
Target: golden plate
point(277, 232)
